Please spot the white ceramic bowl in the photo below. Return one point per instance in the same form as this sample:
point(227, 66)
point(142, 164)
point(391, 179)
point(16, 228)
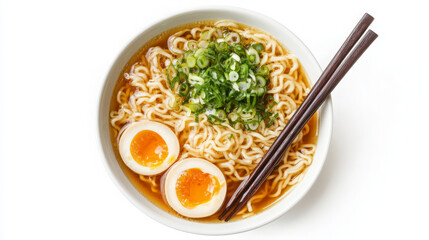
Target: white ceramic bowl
point(242, 16)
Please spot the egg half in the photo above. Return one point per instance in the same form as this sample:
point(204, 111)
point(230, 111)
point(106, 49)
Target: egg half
point(194, 188)
point(148, 148)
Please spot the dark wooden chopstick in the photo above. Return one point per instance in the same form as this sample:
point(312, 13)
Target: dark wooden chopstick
point(274, 155)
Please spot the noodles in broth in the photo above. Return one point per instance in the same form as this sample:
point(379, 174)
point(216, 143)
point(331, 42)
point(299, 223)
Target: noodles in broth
point(143, 94)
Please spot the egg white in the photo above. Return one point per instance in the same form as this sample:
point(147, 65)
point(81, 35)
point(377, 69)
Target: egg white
point(165, 132)
point(169, 188)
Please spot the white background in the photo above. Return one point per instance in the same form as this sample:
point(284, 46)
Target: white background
point(55, 55)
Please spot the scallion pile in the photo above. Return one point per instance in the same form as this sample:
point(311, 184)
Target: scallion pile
point(223, 79)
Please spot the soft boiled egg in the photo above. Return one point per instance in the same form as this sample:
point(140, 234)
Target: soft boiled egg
point(148, 148)
point(194, 188)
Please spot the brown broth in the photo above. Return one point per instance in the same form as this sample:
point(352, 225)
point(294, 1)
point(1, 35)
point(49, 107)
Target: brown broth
point(145, 188)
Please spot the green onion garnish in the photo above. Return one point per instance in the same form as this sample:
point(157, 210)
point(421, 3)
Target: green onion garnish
point(224, 80)
point(258, 47)
point(233, 76)
point(190, 60)
point(202, 61)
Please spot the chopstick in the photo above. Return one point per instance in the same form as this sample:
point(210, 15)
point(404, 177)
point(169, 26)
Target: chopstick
point(326, 83)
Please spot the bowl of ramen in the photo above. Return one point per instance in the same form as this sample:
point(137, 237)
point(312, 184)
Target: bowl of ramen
point(193, 103)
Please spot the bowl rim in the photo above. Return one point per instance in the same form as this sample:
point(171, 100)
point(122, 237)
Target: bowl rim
point(112, 170)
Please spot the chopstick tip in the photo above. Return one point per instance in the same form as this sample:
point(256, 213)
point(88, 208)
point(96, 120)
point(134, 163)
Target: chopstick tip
point(368, 16)
point(372, 34)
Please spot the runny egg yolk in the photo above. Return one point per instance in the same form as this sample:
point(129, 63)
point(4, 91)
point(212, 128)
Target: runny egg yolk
point(194, 187)
point(148, 148)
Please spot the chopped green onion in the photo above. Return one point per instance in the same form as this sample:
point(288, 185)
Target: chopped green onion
point(253, 126)
point(264, 70)
point(194, 106)
point(272, 120)
point(238, 49)
point(182, 77)
point(202, 62)
point(192, 45)
point(238, 110)
point(258, 47)
point(233, 116)
point(173, 82)
point(203, 44)
point(252, 75)
point(253, 56)
point(242, 94)
point(233, 66)
point(195, 79)
point(260, 81)
point(214, 119)
point(260, 91)
point(185, 69)
point(199, 52)
point(244, 71)
point(233, 76)
point(190, 60)
point(235, 57)
point(243, 86)
point(247, 114)
point(271, 105)
point(214, 75)
point(221, 114)
point(221, 46)
point(183, 90)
